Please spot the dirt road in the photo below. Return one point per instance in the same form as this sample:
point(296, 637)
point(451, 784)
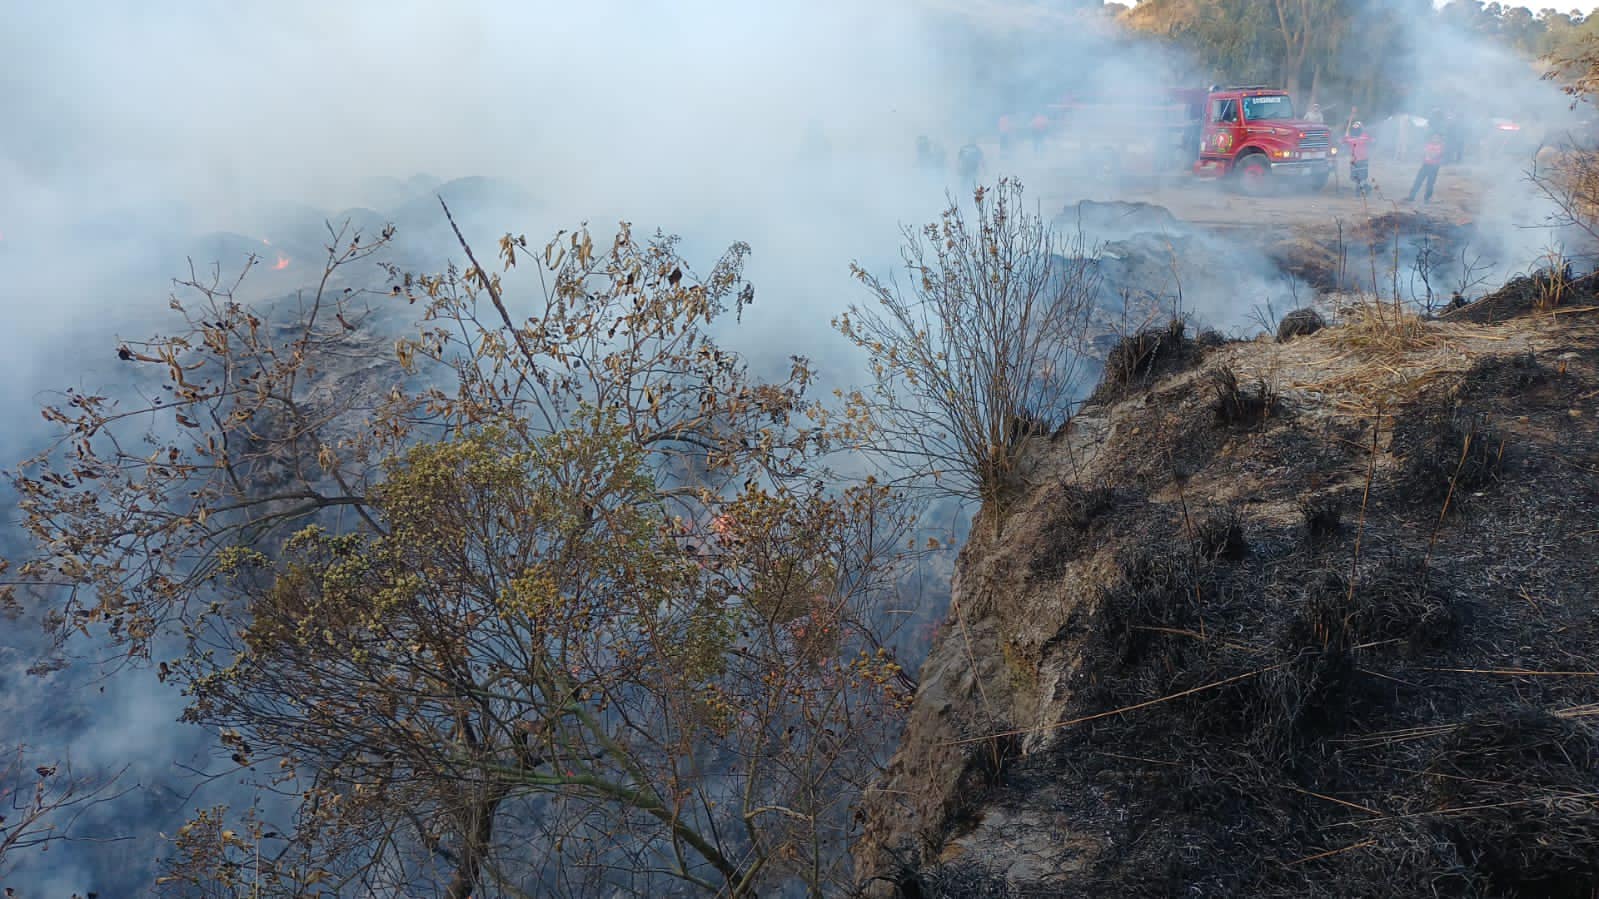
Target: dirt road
point(1216, 204)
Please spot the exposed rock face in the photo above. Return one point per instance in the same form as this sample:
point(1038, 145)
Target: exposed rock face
point(1265, 628)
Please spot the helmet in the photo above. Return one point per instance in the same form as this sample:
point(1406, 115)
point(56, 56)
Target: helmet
point(1356, 128)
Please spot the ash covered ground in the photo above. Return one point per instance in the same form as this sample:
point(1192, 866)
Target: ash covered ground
point(1308, 617)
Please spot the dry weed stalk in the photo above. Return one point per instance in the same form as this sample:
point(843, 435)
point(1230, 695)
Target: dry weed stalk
point(1377, 326)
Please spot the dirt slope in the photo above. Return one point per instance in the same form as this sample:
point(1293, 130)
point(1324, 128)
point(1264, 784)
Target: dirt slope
point(1340, 641)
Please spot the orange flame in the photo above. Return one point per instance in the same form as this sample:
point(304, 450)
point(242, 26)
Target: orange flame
point(281, 264)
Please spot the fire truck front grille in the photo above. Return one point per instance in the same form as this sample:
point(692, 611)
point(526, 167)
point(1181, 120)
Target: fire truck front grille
point(1315, 140)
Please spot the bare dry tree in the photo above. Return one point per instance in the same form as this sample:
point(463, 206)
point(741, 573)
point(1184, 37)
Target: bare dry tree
point(982, 349)
point(1568, 177)
point(1471, 272)
point(1423, 271)
point(1567, 171)
point(540, 596)
point(41, 803)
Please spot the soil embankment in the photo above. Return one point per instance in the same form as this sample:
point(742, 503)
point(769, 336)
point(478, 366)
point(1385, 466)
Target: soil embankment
point(1312, 618)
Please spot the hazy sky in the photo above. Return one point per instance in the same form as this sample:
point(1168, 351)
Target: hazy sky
point(1567, 6)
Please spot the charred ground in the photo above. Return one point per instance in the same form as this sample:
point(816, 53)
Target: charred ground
point(1312, 618)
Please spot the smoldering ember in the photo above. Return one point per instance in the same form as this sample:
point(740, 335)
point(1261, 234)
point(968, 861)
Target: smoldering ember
point(1005, 448)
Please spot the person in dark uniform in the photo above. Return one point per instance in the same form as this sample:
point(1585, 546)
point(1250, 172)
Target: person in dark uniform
point(969, 163)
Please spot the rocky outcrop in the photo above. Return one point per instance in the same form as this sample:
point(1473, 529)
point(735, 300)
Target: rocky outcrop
point(1307, 619)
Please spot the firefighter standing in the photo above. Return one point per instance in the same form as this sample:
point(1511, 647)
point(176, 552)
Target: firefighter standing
point(1432, 159)
point(1359, 143)
point(969, 163)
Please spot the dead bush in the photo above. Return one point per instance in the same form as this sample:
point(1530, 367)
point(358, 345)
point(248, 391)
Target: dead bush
point(1239, 406)
point(1299, 323)
point(956, 880)
point(1139, 359)
point(1152, 592)
point(1507, 376)
point(1527, 294)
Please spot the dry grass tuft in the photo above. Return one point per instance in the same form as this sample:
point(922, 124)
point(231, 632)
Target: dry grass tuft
point(1445, 453)
point(1381, 354)
point(1141, 358)
point(1219, 536)
point(1378, 327)
point(1323, 518)
point(1520, 794)
point(1239, 406)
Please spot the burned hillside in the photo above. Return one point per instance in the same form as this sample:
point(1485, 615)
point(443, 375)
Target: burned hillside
point(1300, 618)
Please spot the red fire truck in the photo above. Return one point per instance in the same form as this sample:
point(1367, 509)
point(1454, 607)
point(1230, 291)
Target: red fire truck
point(1250, 135)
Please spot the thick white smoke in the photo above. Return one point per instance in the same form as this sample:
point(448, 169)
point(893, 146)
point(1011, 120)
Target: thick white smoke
point(127, 131)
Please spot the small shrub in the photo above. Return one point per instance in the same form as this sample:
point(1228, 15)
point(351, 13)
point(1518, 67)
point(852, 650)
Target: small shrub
point(1299, 323)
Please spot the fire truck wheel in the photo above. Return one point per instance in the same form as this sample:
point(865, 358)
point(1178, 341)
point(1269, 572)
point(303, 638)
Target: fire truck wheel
point(1254, 175)
point(1316, 183)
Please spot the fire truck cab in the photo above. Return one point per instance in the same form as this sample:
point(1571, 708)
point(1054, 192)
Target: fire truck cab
point(1253, 135)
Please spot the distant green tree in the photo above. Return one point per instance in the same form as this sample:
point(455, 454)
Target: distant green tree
point(1352, 50)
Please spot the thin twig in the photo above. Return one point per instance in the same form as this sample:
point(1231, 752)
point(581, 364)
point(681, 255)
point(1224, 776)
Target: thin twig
point(1121, 711)
point(1363, 844)
point(1516, 672)
point(488, 282)
point(1470, 808)
point(1335, 799)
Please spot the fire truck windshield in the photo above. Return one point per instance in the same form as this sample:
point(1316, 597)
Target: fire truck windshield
point(1258, 109)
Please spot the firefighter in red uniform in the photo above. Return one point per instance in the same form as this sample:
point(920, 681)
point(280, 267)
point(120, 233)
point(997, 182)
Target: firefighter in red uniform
point(1359, 143)
point(1432, 159)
